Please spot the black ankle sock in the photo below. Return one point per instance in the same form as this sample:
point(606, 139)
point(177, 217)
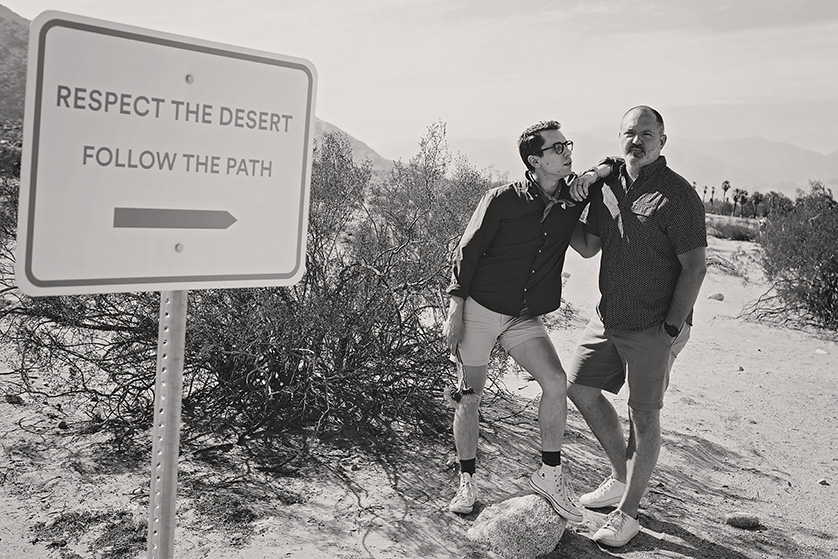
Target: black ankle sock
point(553, 458)
point(467, 466)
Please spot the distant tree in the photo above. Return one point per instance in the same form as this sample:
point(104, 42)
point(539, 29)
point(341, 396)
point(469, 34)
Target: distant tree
point(725, 187)
point(712, 195)
point(756, 201)
point(705, 193)
point(739, 197)
point(777, 203)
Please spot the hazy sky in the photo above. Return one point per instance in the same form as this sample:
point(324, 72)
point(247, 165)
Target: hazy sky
point(488, 68)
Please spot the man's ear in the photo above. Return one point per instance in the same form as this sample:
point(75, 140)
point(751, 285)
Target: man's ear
point(533, 159)
point(663, 140)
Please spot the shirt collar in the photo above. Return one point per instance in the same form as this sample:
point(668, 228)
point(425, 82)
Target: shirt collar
point(649, 169)
point(534, 190)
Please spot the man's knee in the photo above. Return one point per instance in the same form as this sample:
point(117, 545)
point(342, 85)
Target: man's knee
point(554, 385)
point(582, 396)
point(645, 421)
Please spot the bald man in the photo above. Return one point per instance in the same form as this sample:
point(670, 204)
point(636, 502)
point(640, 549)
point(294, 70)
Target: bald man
point(649, 223)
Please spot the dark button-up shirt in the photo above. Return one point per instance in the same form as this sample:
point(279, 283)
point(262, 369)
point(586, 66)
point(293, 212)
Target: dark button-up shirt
point(508, 258)
point(643, 229)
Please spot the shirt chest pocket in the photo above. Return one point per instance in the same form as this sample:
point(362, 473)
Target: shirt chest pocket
point(644, 208)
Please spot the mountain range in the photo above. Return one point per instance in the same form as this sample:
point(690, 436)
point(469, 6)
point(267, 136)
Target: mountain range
point(750, 163)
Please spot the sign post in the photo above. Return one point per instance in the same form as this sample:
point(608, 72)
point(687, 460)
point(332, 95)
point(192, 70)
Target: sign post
point(166, 429)
point(155, 162)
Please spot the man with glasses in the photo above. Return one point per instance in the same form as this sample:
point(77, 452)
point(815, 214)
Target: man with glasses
point(507, 272)
point(649, 222)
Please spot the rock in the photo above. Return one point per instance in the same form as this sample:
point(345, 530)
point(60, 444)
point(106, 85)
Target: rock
point(821, 352)
point(519, 528)
point(62, 424)
point(742, 520)
point(823, 482)
point(14, 399)
point(741, 368)
point(716, 296)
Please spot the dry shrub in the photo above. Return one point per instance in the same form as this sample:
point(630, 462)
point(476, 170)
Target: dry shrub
point(355, 347)
point(801, 261)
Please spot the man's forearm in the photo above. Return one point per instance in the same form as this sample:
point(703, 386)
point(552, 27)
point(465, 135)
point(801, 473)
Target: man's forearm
point(687, 288)
point(455, 305)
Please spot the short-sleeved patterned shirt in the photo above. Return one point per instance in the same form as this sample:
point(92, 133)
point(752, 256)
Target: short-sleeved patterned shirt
point(643, 229)
point(511, 254)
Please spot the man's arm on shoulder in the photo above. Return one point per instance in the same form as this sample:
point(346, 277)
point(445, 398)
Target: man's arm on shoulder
point(586, 244)
point(693, 270)
point(580, 187)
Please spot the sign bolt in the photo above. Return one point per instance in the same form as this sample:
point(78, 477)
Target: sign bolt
point(179, 247)
point(190, 78)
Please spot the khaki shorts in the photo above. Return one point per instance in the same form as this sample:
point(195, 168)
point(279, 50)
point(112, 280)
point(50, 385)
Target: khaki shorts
point(483, 327)
point(606, 358)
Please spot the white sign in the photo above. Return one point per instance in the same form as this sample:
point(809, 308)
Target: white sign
point(155, 162)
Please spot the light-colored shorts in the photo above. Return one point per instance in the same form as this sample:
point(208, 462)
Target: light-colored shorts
point(483, 327)
point(606, 358)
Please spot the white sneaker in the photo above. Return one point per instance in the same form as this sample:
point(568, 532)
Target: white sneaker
point(618, 530)
point(607, 494)
point(550, 484)
point(463, 501)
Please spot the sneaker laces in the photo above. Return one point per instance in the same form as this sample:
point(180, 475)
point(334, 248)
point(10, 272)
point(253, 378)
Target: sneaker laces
point(606, 484)
point(567, 485)
point(465, 488)
point(615, 521)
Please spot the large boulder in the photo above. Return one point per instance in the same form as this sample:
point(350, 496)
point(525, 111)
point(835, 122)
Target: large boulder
point(519, 528)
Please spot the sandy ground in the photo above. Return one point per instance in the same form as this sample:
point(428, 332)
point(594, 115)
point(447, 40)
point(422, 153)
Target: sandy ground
point(750, 424)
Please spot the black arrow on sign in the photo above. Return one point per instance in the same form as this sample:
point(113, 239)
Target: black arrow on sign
point(156, 218)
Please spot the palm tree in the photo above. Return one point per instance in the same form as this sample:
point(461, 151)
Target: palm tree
point(741, 197)
point(756, 199)
point(725, 187)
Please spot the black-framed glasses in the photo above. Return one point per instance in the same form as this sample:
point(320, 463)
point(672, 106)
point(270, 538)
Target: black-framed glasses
point(559, 147)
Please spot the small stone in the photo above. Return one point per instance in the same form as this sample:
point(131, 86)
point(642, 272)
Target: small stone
point(14, 399)
point(716, 296)
point(821, 352)
point(741, 368)
point(742, 520)
point(62, 424)
point(823, 482)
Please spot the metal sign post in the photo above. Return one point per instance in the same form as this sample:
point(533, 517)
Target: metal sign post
point(166, 430)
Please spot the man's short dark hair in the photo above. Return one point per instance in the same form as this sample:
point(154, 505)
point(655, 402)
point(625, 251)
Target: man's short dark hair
point(530, 141)
point(658, 116)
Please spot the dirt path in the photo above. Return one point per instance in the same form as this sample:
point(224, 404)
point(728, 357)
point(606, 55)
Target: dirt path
point(750, 424)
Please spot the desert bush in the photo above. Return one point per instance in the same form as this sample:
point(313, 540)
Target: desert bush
point(799, 257)
point(11, 143)
point(354, 346)
point(733, 231)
